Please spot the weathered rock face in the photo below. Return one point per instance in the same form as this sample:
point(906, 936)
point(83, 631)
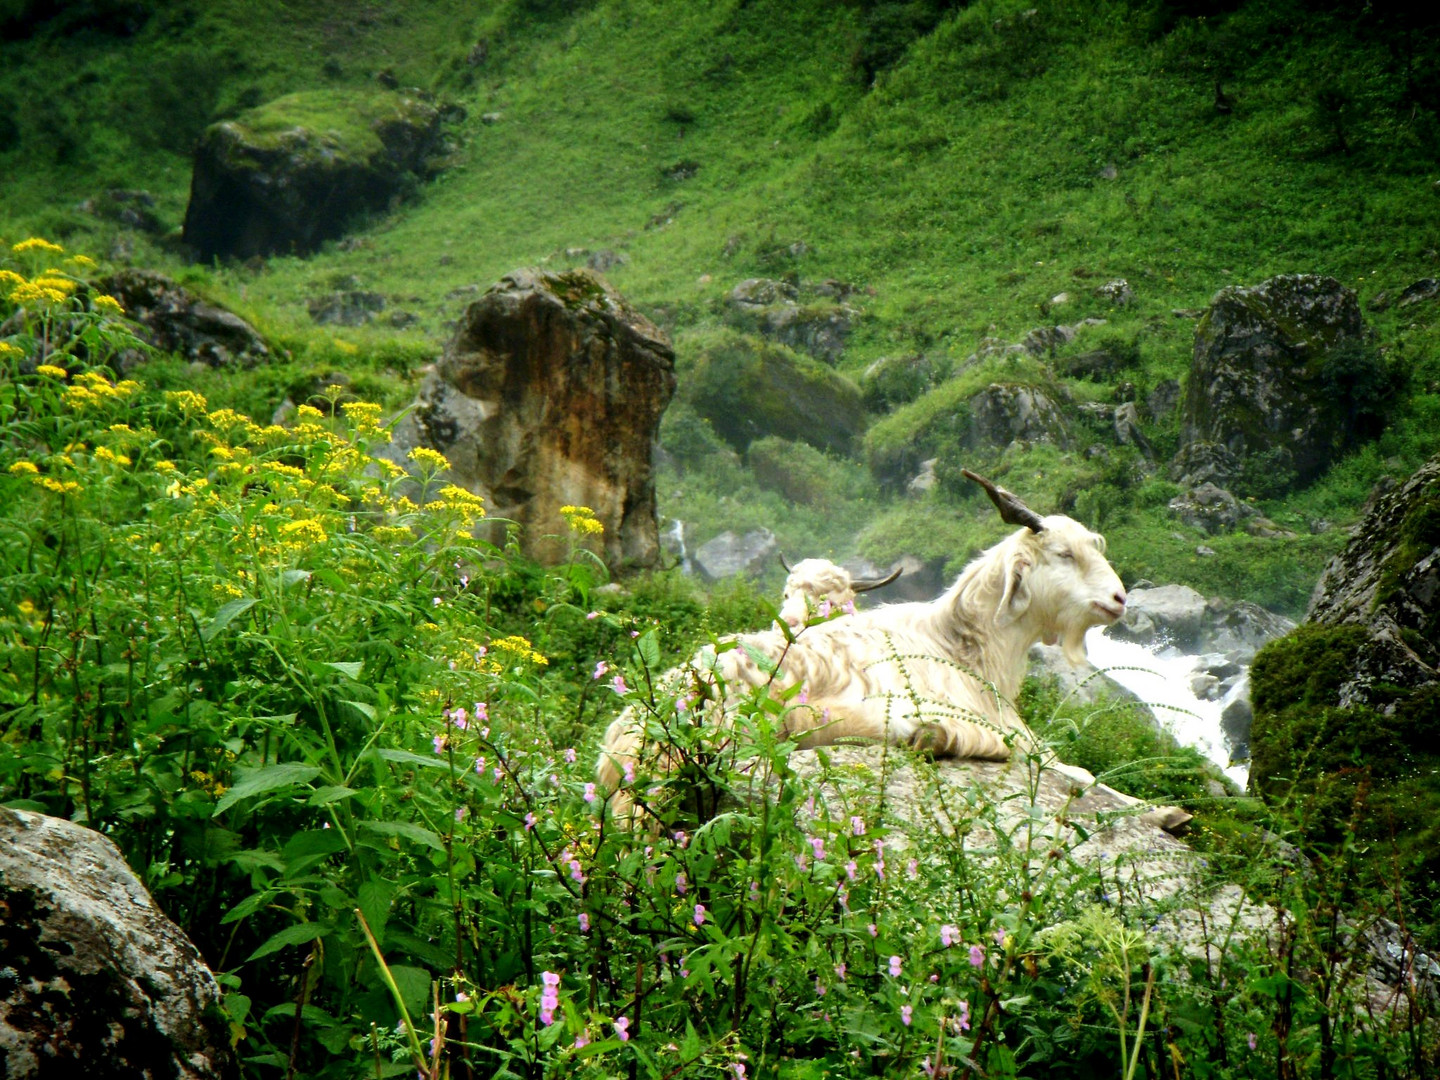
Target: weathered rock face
point(176, 320)
point(350, 307)
point(282, 178)
point(95, 981)
point(1209, 508)
point(1268, 380)
point(727, 555)
point(1387, 580)
point(1177, 615)
point(550, 394)
point(748, 388)
point(1004, 412)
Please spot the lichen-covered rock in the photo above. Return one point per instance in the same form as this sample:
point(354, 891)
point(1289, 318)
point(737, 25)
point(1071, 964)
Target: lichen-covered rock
point(1280, 383)
point(349, 307)
point(1209, 508)
point(284, 177)
point(899, 380)
point(1004, 412)
point(1347, 707)
point(749, 388)
point(549, 395)
point(806, 317)
point(176, 320)
point(95, 981)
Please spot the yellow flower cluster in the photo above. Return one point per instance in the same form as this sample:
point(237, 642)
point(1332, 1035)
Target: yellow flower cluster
point(14, 352)
point(186, 400)
point(10, 277)
point(51, 370)
point(105, 454)
point(23, 468)
point(581, 520)
point(106, 305)
point(60, 487)
point(36, 244)
point(85, 262)
point(365, 415)
point(306, 529)
point(520, 648)
point(33, 292)
point(91, 388)
point(428, 458)
point(467, 504)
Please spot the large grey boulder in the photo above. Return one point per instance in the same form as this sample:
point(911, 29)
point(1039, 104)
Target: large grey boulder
point(550, 395)
point(1004, 412)
point(284, 177)
point(95, 981)
point(1179, 617)
point(1267, 382)
point(807, 316)
point(730, 554)
point(174, 319)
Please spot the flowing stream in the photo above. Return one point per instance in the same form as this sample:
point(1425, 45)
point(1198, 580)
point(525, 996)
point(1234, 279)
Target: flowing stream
point(1162, 681)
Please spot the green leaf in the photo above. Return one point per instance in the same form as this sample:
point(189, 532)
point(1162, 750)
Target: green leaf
point(245, 908)
point(225, 615)
point(363, 708)
point(433, 761)
point(648, 645)
point(762, 661)
point(414, 986)
point(290, 577)
point(326, 795)
point(350, 668)
point(270, 778)
point(298, 934)
point(406, 829)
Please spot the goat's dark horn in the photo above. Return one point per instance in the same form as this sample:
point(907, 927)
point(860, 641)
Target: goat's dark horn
point(864, 585)
point(1012, 510)
point(785, 564)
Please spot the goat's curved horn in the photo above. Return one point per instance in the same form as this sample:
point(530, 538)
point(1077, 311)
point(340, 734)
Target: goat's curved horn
point(864, 585)
point(785, 564)
point(1012, 510)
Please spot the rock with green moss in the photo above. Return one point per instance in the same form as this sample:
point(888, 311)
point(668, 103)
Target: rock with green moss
point(284, 177)
point(1283, 380)
point(749, 388)
point(1347, 707)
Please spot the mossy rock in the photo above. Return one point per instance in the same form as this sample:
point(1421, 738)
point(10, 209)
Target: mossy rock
point(288, 175)
point(749, 388)
point(797, 471)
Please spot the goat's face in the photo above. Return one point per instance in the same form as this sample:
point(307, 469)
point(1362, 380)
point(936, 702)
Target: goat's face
point(812, 581)
point(1060, 580)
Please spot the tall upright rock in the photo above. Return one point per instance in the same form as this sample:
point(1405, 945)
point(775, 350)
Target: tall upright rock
point(550, 394)
point(1281, 382)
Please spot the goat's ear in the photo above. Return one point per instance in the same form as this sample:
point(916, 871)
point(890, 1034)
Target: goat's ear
point(1016, 597)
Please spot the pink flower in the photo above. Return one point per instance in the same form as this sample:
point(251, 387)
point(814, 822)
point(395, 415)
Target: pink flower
point(905, 1013)
point(680, 838)
point(738, 1068)
point(894, 967)
point(622, 1028)
point(680, 884)
point(590, 793)
point(498, 773)
point(576, 872)
point(817, 845)
point(529, 822)
point(800, 863)
point(802, 697)
point(964, 1018)
point(460, 813)
point(479, 765)
point(840, 972)
point(593, 615)
point(857, 825)
point(439, 742)
point(618, 685)
point(600, 669)
point(977, 955)
point(457, 717)
point(581, 1041)
point(874, 930)
point(819, 987)
point(629, 772)
point(850, 869)
point(949, 935)
point(824, 609)
point(848, 607)
point(1000, 936)
point(482, 713)
point(699, 914)
point(570, 755)
point(1250, 1039)
point(549, 997)
point(912, 869)
point(435, 601)
point(584, 920)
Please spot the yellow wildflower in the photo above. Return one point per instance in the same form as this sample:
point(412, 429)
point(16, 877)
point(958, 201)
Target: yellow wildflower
point(104, 453)
point(309, 413)
point(126, 387)
point(392, 534)
point(52, 371)
point(582, 520)
point(305, 529)
point(82, 261)
point(80, 397)
point(32, 293)
point(61, 285)
point(23, 468)
point(164, 467)
point(346, 348)
point(106, 305)
point(60, 487)
point(36, 244)
point(186, 400)
point(28, 609)
point(14, 352)
point(364, 414)
point(10, 277)
point(423, 455)
point(390, 469)
point(519, 647)
point(227, 419)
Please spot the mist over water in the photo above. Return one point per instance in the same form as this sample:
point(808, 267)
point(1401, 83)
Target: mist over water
point(1162, 681)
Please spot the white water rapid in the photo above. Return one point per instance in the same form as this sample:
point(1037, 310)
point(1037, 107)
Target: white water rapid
point(1162, 681)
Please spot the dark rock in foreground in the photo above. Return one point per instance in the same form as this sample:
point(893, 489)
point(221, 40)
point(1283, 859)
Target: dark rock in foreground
point(95, 981)
point(550, 395)
point(285, 177)
point(176, 320)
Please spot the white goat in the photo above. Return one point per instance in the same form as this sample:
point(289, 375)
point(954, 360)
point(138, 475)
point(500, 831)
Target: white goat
point(941, 675)
point(812, 583)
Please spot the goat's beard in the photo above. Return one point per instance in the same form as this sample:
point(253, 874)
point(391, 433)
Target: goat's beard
point(1072, 643)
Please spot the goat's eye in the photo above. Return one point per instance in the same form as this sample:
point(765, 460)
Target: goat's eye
point(1066, 554)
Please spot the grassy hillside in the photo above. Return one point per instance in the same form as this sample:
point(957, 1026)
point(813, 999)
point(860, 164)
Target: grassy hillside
point(960, 166)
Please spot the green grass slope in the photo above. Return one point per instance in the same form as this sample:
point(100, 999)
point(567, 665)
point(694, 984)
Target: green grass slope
point(961, 166)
